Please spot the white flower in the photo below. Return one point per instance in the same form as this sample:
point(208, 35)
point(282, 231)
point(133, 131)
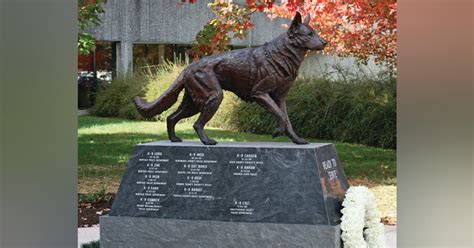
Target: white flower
point(360, 221)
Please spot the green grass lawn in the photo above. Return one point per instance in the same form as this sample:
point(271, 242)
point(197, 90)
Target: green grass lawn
point(105, 145)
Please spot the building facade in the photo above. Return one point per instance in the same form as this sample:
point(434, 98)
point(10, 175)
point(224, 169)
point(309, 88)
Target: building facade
point(129, 22)
point(133, 26)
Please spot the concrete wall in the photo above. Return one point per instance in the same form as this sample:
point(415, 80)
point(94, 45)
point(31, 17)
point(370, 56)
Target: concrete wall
point(164, 22)
point(337, 68)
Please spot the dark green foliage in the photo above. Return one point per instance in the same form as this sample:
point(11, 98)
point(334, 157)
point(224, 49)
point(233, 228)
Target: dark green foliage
point(87, 16)
point(116, 99)
point(95, 197)
point(93, 244)
point(356, 112)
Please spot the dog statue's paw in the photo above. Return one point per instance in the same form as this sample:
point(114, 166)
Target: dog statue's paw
point(300, 141)
point(175, 139)
point(209, 142)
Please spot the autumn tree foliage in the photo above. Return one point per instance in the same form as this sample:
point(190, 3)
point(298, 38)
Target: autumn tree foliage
point(232, 21)
point(357, 28)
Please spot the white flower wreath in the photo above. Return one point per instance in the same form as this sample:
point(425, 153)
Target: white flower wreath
point(360, 222)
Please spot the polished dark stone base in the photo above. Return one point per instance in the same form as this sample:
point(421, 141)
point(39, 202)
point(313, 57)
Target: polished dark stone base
point(132, 232)
point(271, 182)
point(234, 194)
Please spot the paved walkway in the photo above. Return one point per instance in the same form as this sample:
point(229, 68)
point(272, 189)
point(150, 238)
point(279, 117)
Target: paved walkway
point(82, 112)
point(391, 236)
point(88, 234)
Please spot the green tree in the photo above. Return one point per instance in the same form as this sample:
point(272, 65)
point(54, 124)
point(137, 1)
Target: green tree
point(88, 14)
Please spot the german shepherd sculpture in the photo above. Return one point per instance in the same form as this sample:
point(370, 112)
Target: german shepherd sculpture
point(262, 74)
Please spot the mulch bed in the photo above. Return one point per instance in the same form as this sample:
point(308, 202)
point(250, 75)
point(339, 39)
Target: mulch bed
point(90, 211)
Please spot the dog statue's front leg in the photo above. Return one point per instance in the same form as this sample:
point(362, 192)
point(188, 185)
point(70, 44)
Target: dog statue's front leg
point(289, 129)
point(269, 104)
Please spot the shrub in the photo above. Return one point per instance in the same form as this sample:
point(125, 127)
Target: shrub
point(93, 197)
point(92, 244)
point(116, 98)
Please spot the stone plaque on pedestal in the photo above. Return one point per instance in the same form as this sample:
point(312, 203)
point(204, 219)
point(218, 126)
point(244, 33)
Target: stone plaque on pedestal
point(240, 194)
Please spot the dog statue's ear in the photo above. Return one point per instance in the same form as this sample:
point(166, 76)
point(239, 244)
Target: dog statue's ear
point(296, 21)
point(306, 19)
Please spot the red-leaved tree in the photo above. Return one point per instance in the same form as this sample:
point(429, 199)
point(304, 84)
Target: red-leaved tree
point(357, 28)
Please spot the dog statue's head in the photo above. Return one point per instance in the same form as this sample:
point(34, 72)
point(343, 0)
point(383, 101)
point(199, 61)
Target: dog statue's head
point(304, 36)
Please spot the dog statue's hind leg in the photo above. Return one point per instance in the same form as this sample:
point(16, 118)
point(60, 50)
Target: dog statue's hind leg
point(208, 96)
point(186, 109)
point(208, 111)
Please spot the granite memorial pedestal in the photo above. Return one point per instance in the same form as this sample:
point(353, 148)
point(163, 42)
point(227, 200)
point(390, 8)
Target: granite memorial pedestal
point(234, 194)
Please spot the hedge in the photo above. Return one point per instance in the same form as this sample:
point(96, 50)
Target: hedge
point(116, 98)
point(356, 112)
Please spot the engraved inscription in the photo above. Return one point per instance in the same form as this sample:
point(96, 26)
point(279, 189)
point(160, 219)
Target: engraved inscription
point(246, 164)
point(150, 179)
point(193, 171)
point(241, 208)
point(330, 166)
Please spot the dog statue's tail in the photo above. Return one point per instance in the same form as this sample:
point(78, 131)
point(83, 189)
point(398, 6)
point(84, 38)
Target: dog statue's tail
point(164, 102)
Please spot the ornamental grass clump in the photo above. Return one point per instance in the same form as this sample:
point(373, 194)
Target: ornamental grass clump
point(158, 80)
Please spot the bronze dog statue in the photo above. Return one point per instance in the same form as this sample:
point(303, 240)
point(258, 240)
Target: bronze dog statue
point(262, 74)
